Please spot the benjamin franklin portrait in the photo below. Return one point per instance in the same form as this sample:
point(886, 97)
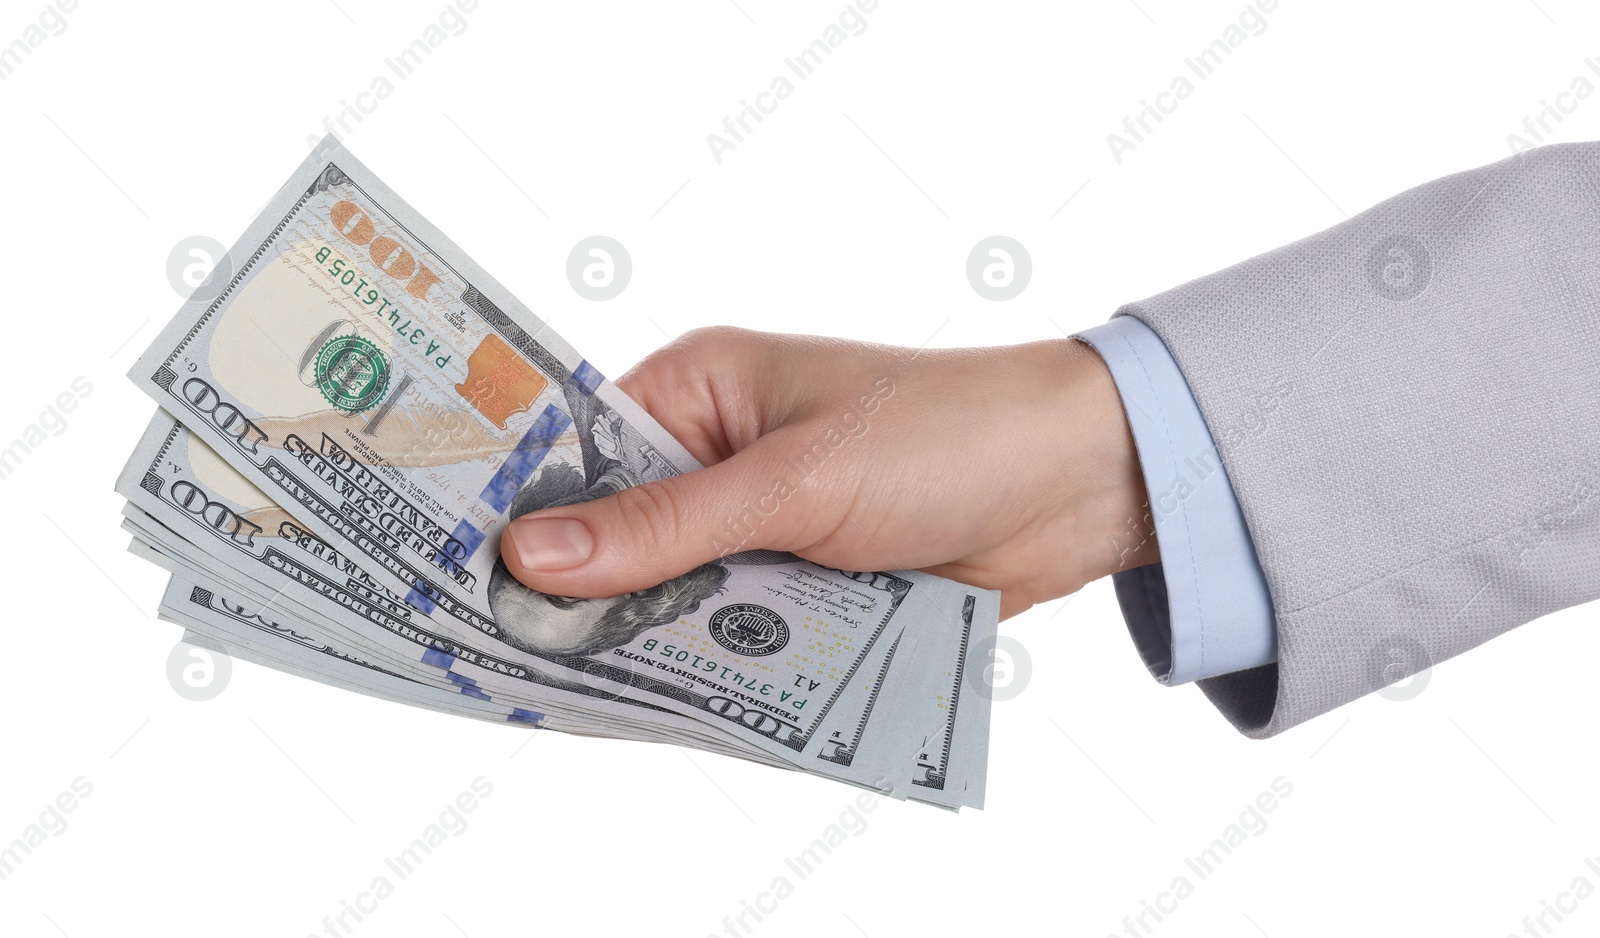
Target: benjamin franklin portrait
point(614, 457)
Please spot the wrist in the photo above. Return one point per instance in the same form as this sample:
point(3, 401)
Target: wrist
point(1105, 508)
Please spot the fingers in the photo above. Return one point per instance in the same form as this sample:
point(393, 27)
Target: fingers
point(651, 533)
point(703, 388)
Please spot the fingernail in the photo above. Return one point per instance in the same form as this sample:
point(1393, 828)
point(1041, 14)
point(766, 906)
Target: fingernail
point(546, 544)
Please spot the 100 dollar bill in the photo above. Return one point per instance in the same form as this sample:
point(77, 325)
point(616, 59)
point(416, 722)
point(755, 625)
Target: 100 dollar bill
point(403, 407)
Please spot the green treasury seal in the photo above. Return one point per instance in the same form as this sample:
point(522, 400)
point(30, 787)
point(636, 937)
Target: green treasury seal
point(748, 629)
point(351, 373)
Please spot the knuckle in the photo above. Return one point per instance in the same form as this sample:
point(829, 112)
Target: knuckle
point(712, 344)
point(650, 512)
point(715, 336)
point(687, 359)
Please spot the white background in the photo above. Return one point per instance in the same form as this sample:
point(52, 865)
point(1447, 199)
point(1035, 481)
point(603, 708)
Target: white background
point(849, 212)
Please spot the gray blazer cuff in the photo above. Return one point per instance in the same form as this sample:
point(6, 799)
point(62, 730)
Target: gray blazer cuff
point(1406, 404)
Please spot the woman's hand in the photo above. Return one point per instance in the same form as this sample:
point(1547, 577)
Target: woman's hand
point(1007, 468)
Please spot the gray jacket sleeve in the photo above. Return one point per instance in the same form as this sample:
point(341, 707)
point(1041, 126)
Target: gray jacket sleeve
point(1408, 407)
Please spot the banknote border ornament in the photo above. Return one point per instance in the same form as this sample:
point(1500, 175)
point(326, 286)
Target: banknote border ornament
point(776, 632)
point(371, 391)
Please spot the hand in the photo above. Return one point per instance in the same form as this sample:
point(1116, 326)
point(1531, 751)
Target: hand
point(1006, 468)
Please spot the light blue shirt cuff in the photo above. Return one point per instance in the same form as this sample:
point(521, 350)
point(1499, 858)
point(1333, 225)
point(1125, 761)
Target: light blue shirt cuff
point(1204, 609)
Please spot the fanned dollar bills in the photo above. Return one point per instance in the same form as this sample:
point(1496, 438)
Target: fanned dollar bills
point(352, 411)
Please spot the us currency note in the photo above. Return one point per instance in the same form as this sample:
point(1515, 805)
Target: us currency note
point(188, 522)
point(401, 407)
point(951, 765)
point(201, 513)
point(174, 478)
point(941, 728)
point(253, 631)
point(245, 633)
point(242, 631)
point(248, 635)
point(659, 726)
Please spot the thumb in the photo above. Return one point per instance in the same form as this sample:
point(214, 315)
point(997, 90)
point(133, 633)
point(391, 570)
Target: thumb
point(650, 533)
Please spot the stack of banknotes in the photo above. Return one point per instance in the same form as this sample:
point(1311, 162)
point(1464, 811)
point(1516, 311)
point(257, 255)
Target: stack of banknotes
point(351, 412)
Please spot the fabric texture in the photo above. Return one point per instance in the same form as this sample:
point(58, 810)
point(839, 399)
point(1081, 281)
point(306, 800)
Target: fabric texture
point(1408, 406)
point(1203, 611)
